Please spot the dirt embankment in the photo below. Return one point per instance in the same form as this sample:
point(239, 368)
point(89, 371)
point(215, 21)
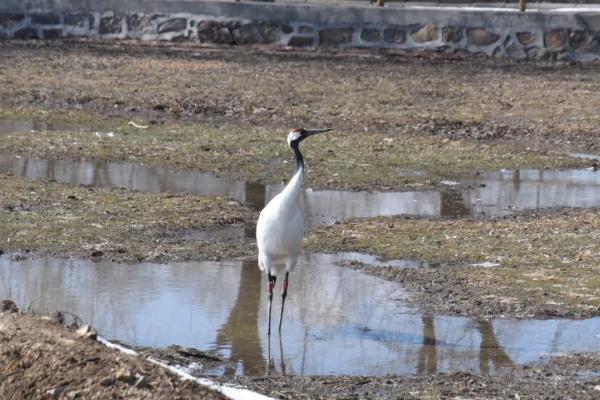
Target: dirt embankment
point(40, 359)
point(562, 378)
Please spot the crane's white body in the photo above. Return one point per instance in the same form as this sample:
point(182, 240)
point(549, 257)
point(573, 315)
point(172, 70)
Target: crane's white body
point(280, 226)
point(280, 229)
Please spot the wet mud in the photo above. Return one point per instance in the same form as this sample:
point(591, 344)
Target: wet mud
point(562, 377)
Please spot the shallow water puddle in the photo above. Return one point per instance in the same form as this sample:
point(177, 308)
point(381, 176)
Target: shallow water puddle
point(17, 126)
point(497, 193)
point(337, 321)
point(506, 191)
point(320, 207)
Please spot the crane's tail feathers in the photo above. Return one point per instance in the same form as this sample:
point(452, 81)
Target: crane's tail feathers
point(261, 264)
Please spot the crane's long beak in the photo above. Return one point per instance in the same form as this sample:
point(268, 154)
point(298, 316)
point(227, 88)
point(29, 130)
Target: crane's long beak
point(310, 132)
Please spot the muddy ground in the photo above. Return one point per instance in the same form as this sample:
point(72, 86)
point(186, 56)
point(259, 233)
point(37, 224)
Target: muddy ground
point(41, 359)
point(562, 377)
point(539, 264)
point(226, 110)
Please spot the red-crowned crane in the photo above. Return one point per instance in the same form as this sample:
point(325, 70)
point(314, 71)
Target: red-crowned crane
point(280, 226)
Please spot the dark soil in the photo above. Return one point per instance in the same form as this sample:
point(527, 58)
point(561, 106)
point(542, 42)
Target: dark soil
point(572, 377)
point(40, 359)
point(454, 290)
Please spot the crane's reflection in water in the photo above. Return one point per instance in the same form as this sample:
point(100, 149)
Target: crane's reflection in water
point(338, 321)
point(240, 333)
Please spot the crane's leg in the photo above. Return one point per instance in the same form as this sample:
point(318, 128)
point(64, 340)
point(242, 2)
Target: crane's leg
point(283, 296)
point(271, 284)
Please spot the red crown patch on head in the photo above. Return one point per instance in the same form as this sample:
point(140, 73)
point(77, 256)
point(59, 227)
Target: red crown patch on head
point(296, 130)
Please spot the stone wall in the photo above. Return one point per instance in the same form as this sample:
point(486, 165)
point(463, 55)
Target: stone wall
point(551, 34)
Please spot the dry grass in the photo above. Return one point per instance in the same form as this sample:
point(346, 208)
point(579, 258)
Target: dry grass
point(67, 220)
point(339, 159)
point(352, 90)
point(552, 258)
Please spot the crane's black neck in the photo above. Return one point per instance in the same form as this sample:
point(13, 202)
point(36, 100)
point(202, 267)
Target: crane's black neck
point(295, 145)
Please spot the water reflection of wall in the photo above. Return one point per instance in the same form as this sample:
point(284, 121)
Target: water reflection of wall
point(336, 321)
point(10, 127)
point(327, 206)
point(147, 304)
point(532, 189)
point(132, 176)
point(319, 206)
point(498, 193)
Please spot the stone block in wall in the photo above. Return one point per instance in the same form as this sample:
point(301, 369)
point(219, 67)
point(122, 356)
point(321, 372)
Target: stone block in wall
point(556, 38)
point(256, 33)
point(452, 34)
point(245, 34)
point(553, 54)
point(26, 33)
point(214, 32)
point(79, 20)
point(305, 29)
point(45, 19)
point(481, 37)
point(110, 24)
point(578, 39)
point(232, 24)
point(394, 35)
point(301, 41)
point(426, 33)
point(225, 36)
point(208, 31)
point(52, 33)
point(513, 49)
point(10, 20)
point(533, 53)
point(526, 38)
point(172, 25)
point(593, 46)
point(444, 48)
point(335, 36)
point(142, 23)
point(272, 33)
point(370, 35)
